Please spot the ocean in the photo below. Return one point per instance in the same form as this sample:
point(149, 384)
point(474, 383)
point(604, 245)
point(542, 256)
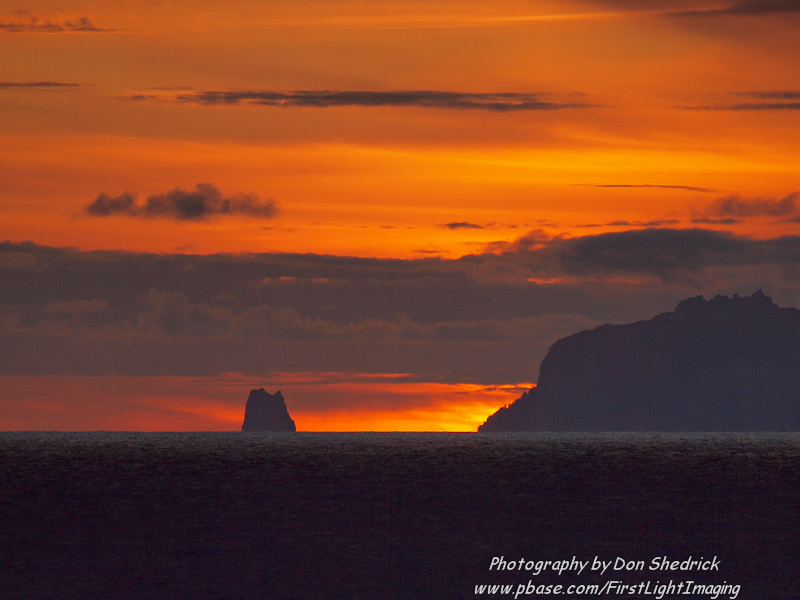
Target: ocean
point(424, 516)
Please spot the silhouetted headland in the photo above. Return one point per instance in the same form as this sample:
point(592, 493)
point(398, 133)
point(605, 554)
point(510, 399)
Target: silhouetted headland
point(728, 364)
point(266, 412)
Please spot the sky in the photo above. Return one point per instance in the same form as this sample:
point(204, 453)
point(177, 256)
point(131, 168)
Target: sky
point(386, 210)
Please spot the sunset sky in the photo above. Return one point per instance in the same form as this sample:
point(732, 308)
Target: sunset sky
point(387, 210)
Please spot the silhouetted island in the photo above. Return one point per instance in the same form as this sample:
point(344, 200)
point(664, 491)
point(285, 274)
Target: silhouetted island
point(266, 412)
point(728, 364)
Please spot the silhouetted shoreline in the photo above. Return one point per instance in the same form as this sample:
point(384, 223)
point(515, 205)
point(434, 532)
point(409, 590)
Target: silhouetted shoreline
point(727, 364)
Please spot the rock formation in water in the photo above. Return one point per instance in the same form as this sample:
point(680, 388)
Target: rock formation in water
point(266, 412)
point(728, 364)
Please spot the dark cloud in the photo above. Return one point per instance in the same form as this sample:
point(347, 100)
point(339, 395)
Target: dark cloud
point(660, 255)
point(759, 100)
point(655, 223)
point(536, 238)
point(463, 225)
point(36, 85)
point(26, 23)
point(706, 8)
point(106, 206)
point(772, 94)
point(712, 221)
point(659, 223)
point(483, 318)
point(115, 312)
point(497, 102)
point(649, 5)
point(736, 207)
point(76, 307)
point(199, 204)
point(663, 253)
point(745, 8)
point(672, 256)
point(754, 106)
point(688, 188)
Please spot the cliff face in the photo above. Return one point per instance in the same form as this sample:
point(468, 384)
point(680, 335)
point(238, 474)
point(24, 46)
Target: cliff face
point(728, 364)
point(266, 412)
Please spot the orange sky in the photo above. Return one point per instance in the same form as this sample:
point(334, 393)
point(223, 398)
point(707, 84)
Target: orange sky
point(646, 118)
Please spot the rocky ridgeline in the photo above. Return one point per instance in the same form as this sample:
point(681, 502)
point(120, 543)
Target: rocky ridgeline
point(728, 364)
point(266, 412)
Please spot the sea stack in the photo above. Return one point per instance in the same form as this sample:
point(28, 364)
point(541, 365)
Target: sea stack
point(727, 364)
point(266, 412)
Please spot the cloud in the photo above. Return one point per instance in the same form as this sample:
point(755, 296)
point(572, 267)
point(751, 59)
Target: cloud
point(533, 239)
point(705, 8)
point(169, 334)
point(772, 94)
point(712, 221)
point(735, 207)
point(657, 256)
point(497, 102)
point(688, 188)
point(759, 100)
point(197, 205)
point(629, 224)
point(17, 260)
point(657, 223)
point(36, 85)
point(462, 225)
point(744, 8)
point(753, 106)
point(75, 307)
point(487, 317)
point(666, 254)
point(26, 23)
point(663, 253)
point(653, 254)
point(106, 206)
point(648, 5)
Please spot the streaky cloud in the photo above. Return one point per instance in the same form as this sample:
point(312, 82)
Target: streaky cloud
point(772, 94)
point(757, 100)
point(624, 223)
point(745, 8)
point(688, 188)
point(755, 106)
point(463, 225)
point(496, 102)
point(705, 8)
point(712, 221)
point(656, 223)
point(26, 23)
point(203, 202)
point(37, 85)
point(736, 207)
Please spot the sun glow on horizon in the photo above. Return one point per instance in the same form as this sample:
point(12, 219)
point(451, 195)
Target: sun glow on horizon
point(316, 402)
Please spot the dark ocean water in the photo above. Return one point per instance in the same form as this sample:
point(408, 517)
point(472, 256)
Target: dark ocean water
point(383, 516)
